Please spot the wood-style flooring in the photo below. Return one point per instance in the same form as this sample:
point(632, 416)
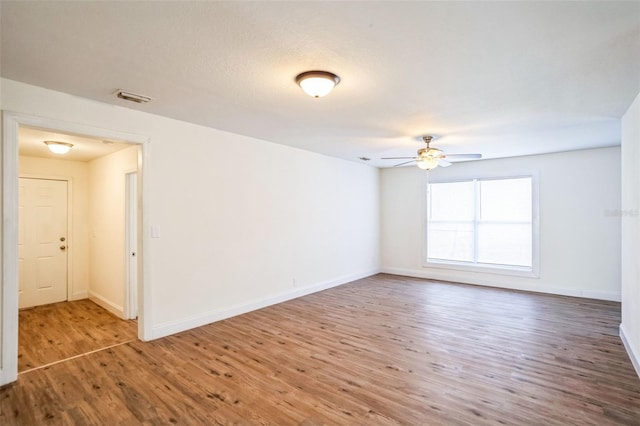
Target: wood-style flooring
point(51, 333)
point(384, 350)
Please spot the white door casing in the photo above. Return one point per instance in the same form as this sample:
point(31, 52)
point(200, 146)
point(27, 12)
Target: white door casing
point(42, 242)
point(131, 242)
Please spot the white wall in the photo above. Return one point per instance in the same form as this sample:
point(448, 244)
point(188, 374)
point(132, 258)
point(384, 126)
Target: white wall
point(579, 231)
point(107, 227)
point(78, 240)
point(253, 220)
point(630, 327)
point(242, 222)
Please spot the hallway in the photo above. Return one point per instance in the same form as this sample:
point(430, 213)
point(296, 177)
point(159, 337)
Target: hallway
point(52, 333)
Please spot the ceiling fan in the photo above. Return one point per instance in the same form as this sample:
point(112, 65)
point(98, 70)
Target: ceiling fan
point(429, 158)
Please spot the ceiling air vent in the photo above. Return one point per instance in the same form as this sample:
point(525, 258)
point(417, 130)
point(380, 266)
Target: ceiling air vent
point(128, 96)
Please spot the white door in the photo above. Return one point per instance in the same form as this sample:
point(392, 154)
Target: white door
point(42, 242)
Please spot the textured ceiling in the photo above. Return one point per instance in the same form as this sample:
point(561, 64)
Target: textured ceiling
point(498, 78)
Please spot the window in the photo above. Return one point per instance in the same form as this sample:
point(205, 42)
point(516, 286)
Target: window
point(488, 223)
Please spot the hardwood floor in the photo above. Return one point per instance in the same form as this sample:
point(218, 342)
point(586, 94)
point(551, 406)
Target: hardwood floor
point(380, 351)
point(51, 333)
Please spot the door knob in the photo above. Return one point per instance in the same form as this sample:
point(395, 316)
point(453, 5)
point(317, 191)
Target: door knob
point(62, 238)
point(63, 247)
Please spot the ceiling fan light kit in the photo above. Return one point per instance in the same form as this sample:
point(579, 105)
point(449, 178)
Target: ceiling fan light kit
point(317, 83)
point(427, 163)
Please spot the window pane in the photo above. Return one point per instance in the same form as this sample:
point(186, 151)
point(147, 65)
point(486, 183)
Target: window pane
point(450, 241)
point(451, 201)
point(505, 244)
point(506, 200)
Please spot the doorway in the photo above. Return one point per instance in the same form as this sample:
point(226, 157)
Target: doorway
point(10, 236)
point(95, 248)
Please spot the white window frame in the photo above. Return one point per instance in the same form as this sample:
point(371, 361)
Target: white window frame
point(521, 271)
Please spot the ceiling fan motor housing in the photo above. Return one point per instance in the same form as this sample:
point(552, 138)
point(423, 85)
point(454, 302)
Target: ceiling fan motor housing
point(430, 152)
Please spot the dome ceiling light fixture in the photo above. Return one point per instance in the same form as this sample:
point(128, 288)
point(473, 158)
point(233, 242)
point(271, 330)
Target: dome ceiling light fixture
point(317, 83)
point(58, 147)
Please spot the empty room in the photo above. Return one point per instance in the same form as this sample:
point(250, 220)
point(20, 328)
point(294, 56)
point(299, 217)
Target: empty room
point(320, 213)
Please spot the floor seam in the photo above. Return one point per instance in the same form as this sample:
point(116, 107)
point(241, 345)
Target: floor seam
point(75, 356)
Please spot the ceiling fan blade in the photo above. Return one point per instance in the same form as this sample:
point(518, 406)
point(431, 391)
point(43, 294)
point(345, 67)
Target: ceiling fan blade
point(464, 155)
point(396, 158)
point(406, 162)
point(443, 163)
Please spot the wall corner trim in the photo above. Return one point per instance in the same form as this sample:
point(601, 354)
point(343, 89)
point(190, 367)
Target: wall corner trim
point(109, 306)
point(172, 327)
point(635, 359)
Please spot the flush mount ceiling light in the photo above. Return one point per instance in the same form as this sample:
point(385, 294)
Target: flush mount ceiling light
point(317, 83)
point(58, 147)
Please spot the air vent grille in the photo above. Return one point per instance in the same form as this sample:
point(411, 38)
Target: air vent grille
point(133, 97)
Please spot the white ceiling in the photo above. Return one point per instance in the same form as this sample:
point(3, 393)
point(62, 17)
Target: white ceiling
point(31, 144)
point(498, 78)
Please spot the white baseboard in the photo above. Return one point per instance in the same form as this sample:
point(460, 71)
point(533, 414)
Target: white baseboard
point(533, 287)
point(108, 305)
point(172, 327)
point(635, 359)
point(79, 295)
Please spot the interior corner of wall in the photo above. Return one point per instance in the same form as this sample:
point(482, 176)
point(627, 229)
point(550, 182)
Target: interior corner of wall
point(633, 349)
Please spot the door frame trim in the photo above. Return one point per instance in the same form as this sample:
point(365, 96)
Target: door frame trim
point(131, 292)
point(11, 121)
point(70, 235)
